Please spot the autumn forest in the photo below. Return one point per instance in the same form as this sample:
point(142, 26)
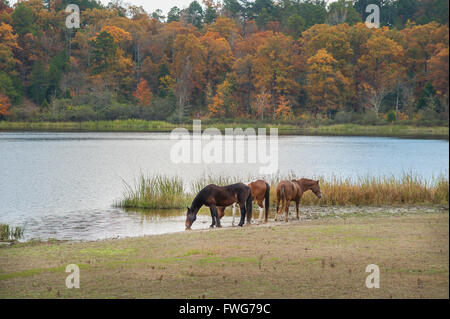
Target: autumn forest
point(265, 60)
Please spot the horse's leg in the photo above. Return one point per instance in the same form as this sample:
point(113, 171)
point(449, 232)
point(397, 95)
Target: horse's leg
point(288, 202)
point(242, 207)
point(297, 203)
point(234, 213)
point(221, 211)
point(215, 216)
point(261, 210)
point(284, 203)
point(212, 218)
point(278, 207)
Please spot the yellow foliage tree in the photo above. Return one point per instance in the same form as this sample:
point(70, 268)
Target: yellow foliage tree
point(381, 65)
point(119, 35)
point(326, 85)
point(222, 102)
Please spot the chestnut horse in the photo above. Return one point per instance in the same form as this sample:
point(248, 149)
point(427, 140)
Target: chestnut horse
point(214, 196)
point(288, 191)
point(261, 194)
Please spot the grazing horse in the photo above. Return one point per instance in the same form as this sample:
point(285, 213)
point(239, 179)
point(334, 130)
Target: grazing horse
point(214, 196)
point(288, 191)
point(261, 194)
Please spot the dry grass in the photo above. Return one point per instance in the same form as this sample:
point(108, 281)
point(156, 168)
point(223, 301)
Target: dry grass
point(170, 192)
point(323, 258)
point(372, 191)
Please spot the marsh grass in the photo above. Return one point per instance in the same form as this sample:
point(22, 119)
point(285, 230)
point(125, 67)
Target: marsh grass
point(162, 192)
point(155, 192)
point(8, 233)
point(380, 191)
point(136, 125)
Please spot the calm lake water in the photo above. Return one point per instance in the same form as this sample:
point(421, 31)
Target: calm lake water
point(63, 185)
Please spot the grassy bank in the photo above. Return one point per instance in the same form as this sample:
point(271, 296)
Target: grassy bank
point(172, 192)
point(8, 233)
point(283, 129)
point(324, 258)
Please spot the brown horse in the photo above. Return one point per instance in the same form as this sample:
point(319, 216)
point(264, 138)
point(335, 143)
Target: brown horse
point(261, 194)
point(288, 191)
point(214, 196)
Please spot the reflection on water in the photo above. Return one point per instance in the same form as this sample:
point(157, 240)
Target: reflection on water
point(63, 185)
point(113, 223)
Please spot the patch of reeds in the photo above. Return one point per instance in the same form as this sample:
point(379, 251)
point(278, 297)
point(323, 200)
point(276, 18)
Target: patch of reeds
point(160, 192)
point(8, 233)
point(379, 191)
point(155, 192)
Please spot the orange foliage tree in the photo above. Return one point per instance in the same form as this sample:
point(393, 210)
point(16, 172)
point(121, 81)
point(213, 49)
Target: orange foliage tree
point(283, 110)
point(4, 105)
point(143, 93)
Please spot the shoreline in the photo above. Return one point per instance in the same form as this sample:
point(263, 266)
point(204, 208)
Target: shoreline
point(317, 258)
point(307, 213)
point(140, 126)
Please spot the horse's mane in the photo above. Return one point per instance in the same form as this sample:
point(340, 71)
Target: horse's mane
point(307, 180)
point(198, 200)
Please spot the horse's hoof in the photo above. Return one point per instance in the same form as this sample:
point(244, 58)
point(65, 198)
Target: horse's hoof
point(212, 226)
point(219, 226)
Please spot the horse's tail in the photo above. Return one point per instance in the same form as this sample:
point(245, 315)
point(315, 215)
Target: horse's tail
point(248, 206)
point(267, 202)
point(282, 195)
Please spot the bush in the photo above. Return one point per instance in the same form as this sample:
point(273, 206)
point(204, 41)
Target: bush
point(391, 116)
point(21, 113)
point(370, 117)
point(160, 109)
point(343, 117)
point(79, 113)
point(120, 112)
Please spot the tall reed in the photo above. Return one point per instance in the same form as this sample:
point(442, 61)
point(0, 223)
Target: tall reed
point(171, 192)
point(157, 192)
point(8, 233)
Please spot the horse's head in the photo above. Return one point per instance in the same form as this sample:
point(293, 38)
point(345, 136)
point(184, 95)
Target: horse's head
point(316, 189)
point(191, 216)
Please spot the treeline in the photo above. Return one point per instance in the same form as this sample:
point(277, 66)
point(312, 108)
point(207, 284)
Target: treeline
point(267, 60)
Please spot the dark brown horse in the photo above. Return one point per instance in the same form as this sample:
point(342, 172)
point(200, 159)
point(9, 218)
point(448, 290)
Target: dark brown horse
point(261, 194)
point(288, 191)
point(214, 196)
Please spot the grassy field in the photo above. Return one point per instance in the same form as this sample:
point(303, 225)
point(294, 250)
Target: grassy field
point(283, 129)
point(323, 258)
point(163, 192)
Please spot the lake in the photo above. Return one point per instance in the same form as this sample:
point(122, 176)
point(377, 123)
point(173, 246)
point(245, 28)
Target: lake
point(64, 185)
